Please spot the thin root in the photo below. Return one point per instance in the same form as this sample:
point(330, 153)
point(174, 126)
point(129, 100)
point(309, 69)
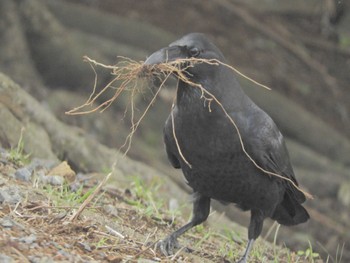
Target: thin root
point(128, 71)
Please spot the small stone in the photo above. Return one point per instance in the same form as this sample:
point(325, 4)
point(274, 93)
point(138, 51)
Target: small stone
point(66, 245)
point(49, 179)
point(64, 253)
point(54, 180)
point(6, 259)
point(10, 195)
point(63, 170)
point(6, 222)
point(61, 215)
point(38, 164)
point(23, 174)
point(111, 210)
point(38, 259)
point(34, 245)
point(4, 155)
point(11, 223)
point(85, 246)
point(28, 239)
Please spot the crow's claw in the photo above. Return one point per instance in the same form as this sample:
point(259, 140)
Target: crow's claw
point(242, 260)
point(167, 245)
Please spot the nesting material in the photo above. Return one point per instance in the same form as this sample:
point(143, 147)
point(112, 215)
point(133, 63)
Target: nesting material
point(127, 77)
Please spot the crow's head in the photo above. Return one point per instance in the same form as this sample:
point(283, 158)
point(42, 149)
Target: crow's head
point(194, 45)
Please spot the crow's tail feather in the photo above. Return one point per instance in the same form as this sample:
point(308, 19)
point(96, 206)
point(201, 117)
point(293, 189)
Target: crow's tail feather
point(290, 212)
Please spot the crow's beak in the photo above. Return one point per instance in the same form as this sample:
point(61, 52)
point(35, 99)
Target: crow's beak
point(165, 55)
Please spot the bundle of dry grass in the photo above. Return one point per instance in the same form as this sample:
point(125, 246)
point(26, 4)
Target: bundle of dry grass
point(129, 73)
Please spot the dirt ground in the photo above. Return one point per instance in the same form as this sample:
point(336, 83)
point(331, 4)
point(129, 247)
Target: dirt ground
point(118, 225)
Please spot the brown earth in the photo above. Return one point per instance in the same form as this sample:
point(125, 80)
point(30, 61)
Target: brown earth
point(118, 225)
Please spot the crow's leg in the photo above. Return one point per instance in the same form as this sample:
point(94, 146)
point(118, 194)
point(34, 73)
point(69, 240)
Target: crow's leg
point(254, 230)
point(201, 208)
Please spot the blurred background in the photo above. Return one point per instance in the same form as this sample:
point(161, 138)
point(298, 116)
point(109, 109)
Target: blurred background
point(301, 49)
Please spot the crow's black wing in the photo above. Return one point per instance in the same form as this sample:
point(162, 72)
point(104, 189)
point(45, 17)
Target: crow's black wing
point(170, 144)
point(267, 147)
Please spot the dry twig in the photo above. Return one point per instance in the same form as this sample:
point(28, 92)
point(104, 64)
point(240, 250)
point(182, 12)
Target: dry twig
point(91, 196)
point(128, 72)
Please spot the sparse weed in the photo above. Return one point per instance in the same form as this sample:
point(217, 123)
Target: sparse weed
point(106, 170)
point(275, 242)
point(233, 235)
point(199, 228)
point(145, 200)
point(338, 254)
point(230, 247)
point(16, 154)
point(64, 196)
point(102, 242)
point(308, 254)
point(259, 253)
point(206, 236)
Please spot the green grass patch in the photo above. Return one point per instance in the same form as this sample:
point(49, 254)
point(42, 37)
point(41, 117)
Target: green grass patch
point(64, 196)
point(17, 154)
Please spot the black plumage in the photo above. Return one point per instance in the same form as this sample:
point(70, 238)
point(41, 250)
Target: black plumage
point(217, 166)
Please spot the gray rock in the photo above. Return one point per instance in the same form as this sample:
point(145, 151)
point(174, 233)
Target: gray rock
point(6, 259)
point(66, 245)
point(28, 239)
point(6, 223)
point(51, 179)
point(38, 259)
point(111, 210)
point(64, 254)
point(23, 174)
point(37, 163)
point(55, 180)
point(10, 195)
point(85, 246)
point(4, 155)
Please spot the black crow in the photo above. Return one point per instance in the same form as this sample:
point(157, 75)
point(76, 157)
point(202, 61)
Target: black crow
point(202, 141)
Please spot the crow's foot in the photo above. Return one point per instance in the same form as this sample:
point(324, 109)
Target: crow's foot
point(242, 260)
point(167, 245)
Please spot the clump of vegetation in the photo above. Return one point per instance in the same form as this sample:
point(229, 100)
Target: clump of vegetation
point(145, 199)
point(64, 196)
point(17, 154)
point(139, 220)
point(308, 254)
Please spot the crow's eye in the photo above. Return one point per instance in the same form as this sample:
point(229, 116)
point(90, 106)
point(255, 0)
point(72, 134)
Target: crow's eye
point(194, 51)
